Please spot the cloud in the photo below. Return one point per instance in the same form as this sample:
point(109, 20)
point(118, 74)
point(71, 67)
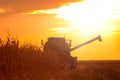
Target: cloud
point(66, 30)
point(46, 11)
point(114, 31)
point(18, 6)
point(2, 10)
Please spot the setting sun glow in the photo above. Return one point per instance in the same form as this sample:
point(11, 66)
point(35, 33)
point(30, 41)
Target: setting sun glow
point(87, 17)
point(91, 16)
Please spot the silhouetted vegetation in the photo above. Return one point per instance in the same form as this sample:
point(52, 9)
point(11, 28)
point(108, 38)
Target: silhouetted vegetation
point(28, 62)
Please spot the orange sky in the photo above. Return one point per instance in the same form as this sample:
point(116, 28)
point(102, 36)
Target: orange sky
point(35, 20)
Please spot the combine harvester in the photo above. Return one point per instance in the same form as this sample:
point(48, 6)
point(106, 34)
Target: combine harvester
point(62, 48)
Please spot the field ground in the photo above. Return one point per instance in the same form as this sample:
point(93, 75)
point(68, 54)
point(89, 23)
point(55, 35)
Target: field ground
point(86, 70)
point(98, 70)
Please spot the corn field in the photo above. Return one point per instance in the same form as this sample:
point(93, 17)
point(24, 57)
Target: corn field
point(28, 62)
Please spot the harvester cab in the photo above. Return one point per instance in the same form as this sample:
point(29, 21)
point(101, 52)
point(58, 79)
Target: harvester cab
point(57, 44)
point(63, 49)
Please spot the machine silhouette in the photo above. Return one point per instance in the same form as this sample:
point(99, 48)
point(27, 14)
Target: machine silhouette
point(63, 48)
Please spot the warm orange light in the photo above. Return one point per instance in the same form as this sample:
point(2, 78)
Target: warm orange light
point(91, 16)
point(87, 17)
point(2, 10)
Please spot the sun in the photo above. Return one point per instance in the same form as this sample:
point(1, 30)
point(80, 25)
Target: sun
point(90, 16)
